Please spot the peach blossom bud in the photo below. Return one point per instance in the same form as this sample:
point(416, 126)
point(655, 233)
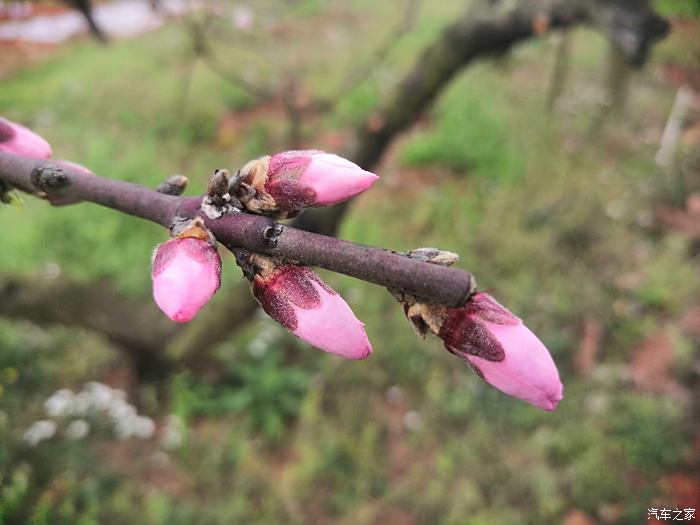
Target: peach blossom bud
point(503, 351)
point(325, 177)
point(18, 140)
point(293, 180)
point(186, 274)
point(299, 300)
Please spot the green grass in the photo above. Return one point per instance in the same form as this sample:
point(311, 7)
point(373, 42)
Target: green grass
point(289, 435)
point(470, 135)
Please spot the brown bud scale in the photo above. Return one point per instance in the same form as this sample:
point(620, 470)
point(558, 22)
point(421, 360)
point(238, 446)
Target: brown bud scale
point(6, 132)
point(286, 287)
point(463, 334)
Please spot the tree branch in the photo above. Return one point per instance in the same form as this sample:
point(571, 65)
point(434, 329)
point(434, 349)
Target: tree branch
point(357, 74)
point(137, 328)
point(427, 282)
point(202, 49)
point(471, 38)
point(225, 314)
point(47, 180)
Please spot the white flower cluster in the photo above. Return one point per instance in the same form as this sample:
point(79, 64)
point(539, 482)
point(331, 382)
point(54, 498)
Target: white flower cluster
point(95, 399)
point(39, 431)
point(77, 429)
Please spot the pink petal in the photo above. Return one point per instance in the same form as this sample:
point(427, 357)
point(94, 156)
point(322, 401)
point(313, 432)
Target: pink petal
point(186, 274)
point(300, 301)
point(335, 179)
point(334, 160)
point(333, 327)
point(527, 372)
point(18, 140)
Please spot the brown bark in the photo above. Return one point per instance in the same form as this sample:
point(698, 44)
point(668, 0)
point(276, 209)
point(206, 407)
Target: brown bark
point(430, 283)
point(471, 38)
point(138, 328)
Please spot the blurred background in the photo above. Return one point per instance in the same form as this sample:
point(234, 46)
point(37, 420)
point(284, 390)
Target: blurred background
point(565, 170)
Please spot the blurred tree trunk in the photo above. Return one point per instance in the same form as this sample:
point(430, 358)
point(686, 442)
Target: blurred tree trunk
point(85, 8)
point(617, 79)
point(616, 84)
point(138, 328)
point(560, 71)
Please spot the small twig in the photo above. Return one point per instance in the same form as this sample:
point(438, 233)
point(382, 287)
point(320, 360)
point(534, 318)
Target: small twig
point(257, 91)
point(560, 70)
point(202, 49)
point(356, 75)
point(428, 282)
point(173, 185)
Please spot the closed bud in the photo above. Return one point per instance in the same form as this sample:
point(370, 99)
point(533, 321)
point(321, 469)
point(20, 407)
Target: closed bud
point(18, 140)
point(173, 185)
point(496, 344)
point(294, 180)
point(299, 300)
point(433, 255)
point(186, 274)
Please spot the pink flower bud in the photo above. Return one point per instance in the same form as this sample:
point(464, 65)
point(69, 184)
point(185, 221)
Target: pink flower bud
point(303, 175)
point(18, 140)
point(186, 274)
point(300, 301)
point(294, 180)
point(503, 351)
